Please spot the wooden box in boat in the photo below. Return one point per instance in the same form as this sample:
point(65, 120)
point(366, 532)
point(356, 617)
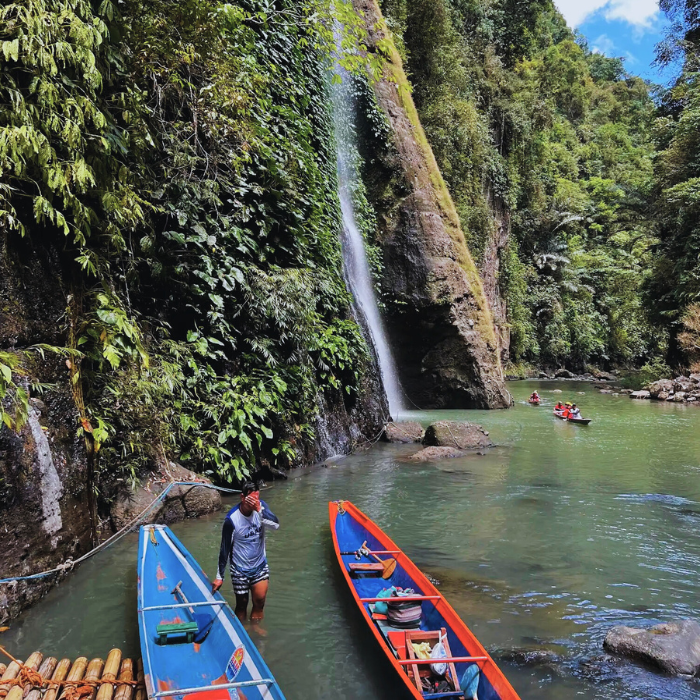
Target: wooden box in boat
point(350, 528)
point(193, 646)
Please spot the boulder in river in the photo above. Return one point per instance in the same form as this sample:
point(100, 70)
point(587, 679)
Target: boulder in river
point(679, 397)
point(181, 502)
point(564, 374)
point(409, 431)
point(604, 376)
point(683, 384)
point(462, 435)
point(672, 646)
point(431, 454)
point(663, 386)
point(640, 394)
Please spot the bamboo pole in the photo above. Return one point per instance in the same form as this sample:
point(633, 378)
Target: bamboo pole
point(45, 671)
point(76, 672)
point(59, 674)
point(11, 672)
point(114, 659)
point(125, 692)
point(141, 688)
point(15, 693)
point(93, 673)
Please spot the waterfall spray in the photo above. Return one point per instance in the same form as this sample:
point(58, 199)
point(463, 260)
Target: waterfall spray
point(355, 266)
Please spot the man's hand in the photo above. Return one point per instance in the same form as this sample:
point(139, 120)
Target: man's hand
point(253, 503)
point(216, 585)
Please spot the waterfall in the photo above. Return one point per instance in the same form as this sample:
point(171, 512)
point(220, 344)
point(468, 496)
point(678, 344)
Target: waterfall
point(355, 265)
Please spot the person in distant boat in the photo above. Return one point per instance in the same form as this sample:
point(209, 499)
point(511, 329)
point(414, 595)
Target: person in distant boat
point(534, 396)
point(243, 543)
point(560, 406)
point(575, 412)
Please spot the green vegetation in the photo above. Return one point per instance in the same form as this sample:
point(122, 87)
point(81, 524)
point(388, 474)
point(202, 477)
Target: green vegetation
point(177, 159)
point(179, 156)
point(527, 123)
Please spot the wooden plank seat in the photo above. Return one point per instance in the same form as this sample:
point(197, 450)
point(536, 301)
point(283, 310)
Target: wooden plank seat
point(374, 569)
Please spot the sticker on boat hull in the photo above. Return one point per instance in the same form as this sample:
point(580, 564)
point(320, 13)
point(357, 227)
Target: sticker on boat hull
point(235, 663)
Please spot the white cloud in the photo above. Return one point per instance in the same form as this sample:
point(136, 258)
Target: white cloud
point(603, 44)
point(637, 12)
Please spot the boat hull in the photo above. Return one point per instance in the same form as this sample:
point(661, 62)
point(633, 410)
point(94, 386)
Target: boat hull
point(221, 652)
point(350, 527)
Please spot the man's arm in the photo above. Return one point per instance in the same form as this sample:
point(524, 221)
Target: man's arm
point(225, 549)
point(269, 519)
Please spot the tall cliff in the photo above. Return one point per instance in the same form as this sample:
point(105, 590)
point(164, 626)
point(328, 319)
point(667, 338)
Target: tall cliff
point(439, 320)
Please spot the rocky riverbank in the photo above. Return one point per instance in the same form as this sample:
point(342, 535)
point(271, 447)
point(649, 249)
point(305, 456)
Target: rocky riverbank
point(679, 390)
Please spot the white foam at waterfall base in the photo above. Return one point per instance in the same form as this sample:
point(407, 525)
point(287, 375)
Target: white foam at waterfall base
point(356, 267)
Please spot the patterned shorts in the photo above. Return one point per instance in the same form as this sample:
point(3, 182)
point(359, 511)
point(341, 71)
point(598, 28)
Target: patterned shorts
point(244, 580)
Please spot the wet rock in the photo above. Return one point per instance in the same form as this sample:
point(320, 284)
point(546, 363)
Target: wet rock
point(682, 384)
point(557, 391)
point(431, 454)
point(679, 397)
point(604, 376)
point(695, 378)
point(662, 396)
point(409, 431)
point(661, 386)
point(626, 391)
point(528, 657)
point(463, 436)
point(543, 375)
point(670, 397)
point(672, 646)
point(605, 391)
point(640, 395)
point(181, 502)
point(564, 374)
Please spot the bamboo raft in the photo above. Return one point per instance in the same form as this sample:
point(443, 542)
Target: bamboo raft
point(47, 678)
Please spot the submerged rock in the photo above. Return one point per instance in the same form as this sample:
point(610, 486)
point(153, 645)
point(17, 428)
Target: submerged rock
point(672, 646)
point(463, 436)
point(409, 431)
point(430, 454)
point(536, 656)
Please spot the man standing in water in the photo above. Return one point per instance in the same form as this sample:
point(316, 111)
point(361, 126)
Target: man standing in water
point(243, 542)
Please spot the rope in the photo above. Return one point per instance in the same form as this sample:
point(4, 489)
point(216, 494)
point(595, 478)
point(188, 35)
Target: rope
point(70, 563)
point(74, 689)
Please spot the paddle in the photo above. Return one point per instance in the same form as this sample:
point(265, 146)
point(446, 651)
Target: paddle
point(388, 564)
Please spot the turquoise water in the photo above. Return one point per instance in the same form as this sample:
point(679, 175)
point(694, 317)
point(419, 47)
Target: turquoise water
point(545, 542)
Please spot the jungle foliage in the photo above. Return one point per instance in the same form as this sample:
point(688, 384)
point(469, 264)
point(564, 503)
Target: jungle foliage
point(179, 156)
point(527, 123)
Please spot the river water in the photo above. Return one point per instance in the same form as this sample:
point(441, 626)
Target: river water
point(547, 541)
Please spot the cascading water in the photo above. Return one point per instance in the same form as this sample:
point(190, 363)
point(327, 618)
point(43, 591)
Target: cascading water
point(356, 267)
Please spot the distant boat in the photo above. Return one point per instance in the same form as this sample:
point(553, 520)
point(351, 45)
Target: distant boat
point(192, 644)
point(534, 402)
point(578, 421)
point(471, 672)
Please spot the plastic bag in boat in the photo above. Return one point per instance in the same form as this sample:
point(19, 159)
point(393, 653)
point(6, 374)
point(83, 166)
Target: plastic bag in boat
point(438, 652)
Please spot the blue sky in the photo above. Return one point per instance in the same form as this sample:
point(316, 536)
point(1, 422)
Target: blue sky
point(626, 28)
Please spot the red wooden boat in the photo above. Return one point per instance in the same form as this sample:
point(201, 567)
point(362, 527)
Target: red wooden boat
point(353, 534)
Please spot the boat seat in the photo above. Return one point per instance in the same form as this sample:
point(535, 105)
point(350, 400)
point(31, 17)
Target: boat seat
point(195, 630)
point(369, 569)
point(433, 636)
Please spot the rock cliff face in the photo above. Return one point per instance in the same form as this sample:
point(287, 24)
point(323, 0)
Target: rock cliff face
point(439, 322)
point(44, 512)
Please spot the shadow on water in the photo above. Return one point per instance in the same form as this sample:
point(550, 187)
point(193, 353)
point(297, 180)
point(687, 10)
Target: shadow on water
point(543, 544)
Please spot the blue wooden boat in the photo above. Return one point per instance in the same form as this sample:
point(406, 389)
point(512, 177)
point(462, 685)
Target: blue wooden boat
point(192, 644)
point(471, 673)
